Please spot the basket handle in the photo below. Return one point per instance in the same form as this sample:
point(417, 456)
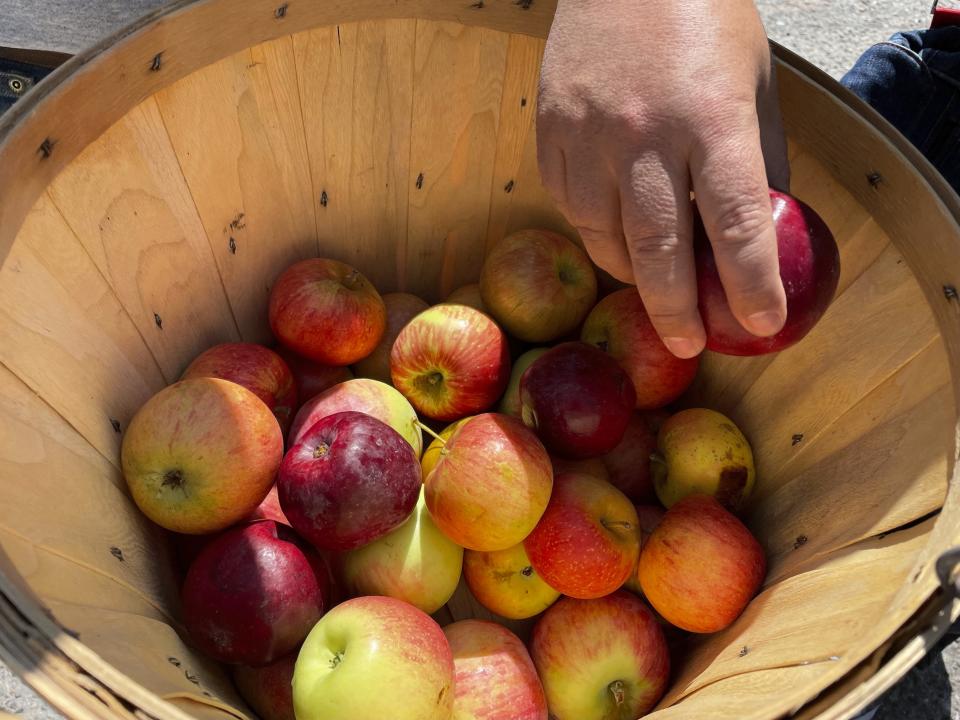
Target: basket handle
point(948, 565)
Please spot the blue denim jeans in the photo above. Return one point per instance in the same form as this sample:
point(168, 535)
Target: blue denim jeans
point(913, 80)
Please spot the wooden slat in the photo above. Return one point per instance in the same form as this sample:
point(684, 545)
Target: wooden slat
point(356, 86)
point(64, 332)
point(457, 87)
point(126, 200)
point(60, 495)
point(237, 130)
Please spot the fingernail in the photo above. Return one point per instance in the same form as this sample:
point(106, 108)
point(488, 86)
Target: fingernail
point(765, 323)
point(681, 347)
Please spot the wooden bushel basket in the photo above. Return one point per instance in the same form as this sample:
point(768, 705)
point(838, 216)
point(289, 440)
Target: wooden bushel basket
point(153, 187)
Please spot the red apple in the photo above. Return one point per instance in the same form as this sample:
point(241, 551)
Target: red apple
point(577, 399)
point(510, 402)
point(586, 543)
point(538, 285)
point(327, 311)
point(270, 509)
point(268, 688)
point(468, 295)
point(619, 325)
point(252, 594)
point(374, 658)
point(649, 517)
point(451, 361)
point(587, 466)
point(701, 566)
point(491, 483)
point(494, 677)
point(259, 369)
point(312, 378)
point(372, 397)
point(603, 659)
point(201, 454)
point(401, 309)
point(809, 269)
point(350, 480)
point(628, 464)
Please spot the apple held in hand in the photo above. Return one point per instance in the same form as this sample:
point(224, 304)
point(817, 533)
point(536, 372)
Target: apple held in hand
point(701, 566)
point(586, 543)
point(312, 378)
point(494, 677)
point(361, 395)
point(577, 399)
point(253, 594)
point(619, 325)
point(468, 295)
point(371, 658)
point(268, 688)
point(505, 583)
point(350, 480)
point(259, 369)
point(628, 464)
point(450, 361)
point(809, 269)
point(327, 311)
point(702, 451)
point(491, 484)
point(415, 563)
point(200, 455)
point(603, 659)
point(538, 285)
point(510, 402)
point(401, 309)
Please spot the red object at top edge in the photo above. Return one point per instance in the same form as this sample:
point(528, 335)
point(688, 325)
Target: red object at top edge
point(943, 17)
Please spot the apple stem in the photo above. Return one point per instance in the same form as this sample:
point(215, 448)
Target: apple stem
point(619, 695)
point(430, 432)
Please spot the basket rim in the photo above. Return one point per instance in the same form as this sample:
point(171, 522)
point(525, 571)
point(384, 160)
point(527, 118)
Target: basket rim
point(78, 655)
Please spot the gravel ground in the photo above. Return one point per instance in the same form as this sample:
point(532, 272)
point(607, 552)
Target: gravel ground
point(830, 33)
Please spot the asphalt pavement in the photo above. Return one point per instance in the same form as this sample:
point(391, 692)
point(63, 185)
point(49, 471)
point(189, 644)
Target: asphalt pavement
point(829, 33)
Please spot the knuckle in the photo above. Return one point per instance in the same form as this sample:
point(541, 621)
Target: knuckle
point(739, 225)
point(654, 250)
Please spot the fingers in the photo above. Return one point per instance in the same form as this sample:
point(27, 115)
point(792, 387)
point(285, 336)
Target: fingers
point(730, 184)
point(657, 224)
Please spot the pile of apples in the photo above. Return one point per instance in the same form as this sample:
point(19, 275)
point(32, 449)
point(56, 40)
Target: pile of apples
point(318, 535)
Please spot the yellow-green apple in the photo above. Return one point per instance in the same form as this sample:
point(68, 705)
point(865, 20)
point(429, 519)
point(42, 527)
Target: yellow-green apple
point(586, 543)
point(201, 454)
point(587, 466)
point(649, 516)
point(401, 309)
point(629, 463)
point(268, 688)
point(362, 395)
point(327, 311)
point(259, 369)
point(468, 295)
point(578, 399)
point(494, 677)
point(701, 566)
point(450, 361)
point(371, 658)
point(416, 563)
point(253, 594)
point(491, 484)
point(510, 402)
point(602, 659)
point(809, 269)
point(620, 326)
point(702, 451)
point(505, 583)
point(311, 378)
point(431, 456)
point(537, 284)
point(349, 480)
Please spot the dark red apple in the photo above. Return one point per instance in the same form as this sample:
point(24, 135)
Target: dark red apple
point(809, 269)
point(311, 377)
point(268, 689)
point(253, 594)
point(577, 399)
point(628, 464)
point(349, 480)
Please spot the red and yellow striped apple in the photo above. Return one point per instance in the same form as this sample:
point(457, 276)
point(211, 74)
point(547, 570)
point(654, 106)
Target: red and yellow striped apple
point(628, 464)
point(311, 377)
point(649, 517)
point(401, 309)
point(450, 361)
point(494, 677)
point(491, 484)
point(505, 583)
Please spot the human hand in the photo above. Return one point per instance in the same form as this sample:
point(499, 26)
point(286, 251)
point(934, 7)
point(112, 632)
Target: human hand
point(642, 101)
